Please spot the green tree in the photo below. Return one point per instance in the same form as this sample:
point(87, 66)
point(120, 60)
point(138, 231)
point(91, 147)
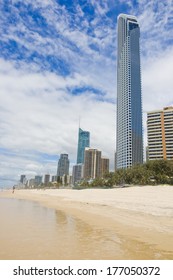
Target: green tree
point(98, 182)
point(59, 180)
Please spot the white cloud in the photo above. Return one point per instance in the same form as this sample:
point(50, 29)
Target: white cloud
point(157, 84)
point(157, 81)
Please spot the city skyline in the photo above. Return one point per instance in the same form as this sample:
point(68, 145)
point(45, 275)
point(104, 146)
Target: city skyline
point(58, 62)
point(129, 135)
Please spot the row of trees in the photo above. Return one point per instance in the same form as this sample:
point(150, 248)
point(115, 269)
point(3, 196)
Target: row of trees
point(60, 182)
point(150, 173)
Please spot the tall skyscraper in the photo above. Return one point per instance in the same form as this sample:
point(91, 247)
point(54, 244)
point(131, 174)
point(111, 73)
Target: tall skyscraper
point(83, 142)
point(160, 134)
point(129, 140)
point(63, 165)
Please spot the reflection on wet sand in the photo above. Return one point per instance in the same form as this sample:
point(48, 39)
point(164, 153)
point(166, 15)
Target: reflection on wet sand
point(31, 231)
point(81, 241)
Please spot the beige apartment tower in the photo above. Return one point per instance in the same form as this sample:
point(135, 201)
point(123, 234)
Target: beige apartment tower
point(92, 163)
point(104, 166)
point(160, 134)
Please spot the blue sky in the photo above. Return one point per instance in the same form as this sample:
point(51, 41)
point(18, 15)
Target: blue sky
point(58, 63)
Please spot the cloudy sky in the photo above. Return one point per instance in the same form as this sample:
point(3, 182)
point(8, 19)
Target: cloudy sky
point(58, 63)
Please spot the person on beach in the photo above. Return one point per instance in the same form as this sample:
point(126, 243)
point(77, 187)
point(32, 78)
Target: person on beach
point(13, 189)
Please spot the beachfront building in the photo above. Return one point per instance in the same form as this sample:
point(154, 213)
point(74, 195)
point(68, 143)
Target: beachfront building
point(31, 183)
point(66, 180)
point(63, 165)
point(92, 163)
point(129, 138)
point(38, 180)
point(160, 134)
point(104, 166)
point(77, 173)
point(22, 179)
point(54, 178)
point(83, 142)
point(46, 179)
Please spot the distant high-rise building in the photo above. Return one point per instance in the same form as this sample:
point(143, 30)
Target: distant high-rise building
point(63, 165)
point(46, 179)
point(77, 173)
point(83, 142)
point(23, 179)
point(104, 166)
point(66, 180)
point(31, 183)
point(129, 140)
point(160, 134)
point(38, 180)
point(54, 178)
point(92, 163)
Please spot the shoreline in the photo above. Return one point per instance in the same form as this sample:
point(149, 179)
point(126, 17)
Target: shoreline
point(140, 216)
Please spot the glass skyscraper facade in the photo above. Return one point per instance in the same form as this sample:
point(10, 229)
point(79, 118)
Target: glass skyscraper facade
point(83, 142)
point(63, 165)
point(129, 140)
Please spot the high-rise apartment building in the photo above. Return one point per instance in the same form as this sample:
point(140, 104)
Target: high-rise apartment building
point(160, 134)
point(83, 142)
point(37, 180)
point(31, 183)
point(104, 166)
point(129, 140)
point(92, 163)
point(54, 178)
point(23, 179)
point(77, 173)
point(46, 179)
point(63, 165)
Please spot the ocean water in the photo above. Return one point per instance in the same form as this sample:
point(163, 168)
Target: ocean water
point(31, 231)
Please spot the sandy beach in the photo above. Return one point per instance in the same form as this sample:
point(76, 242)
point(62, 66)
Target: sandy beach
point(142, 217)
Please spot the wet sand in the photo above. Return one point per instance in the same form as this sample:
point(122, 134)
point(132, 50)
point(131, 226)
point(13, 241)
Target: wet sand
point(32, 231)
point(140, 218)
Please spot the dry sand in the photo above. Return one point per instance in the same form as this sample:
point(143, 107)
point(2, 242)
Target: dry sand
point(141, 216)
